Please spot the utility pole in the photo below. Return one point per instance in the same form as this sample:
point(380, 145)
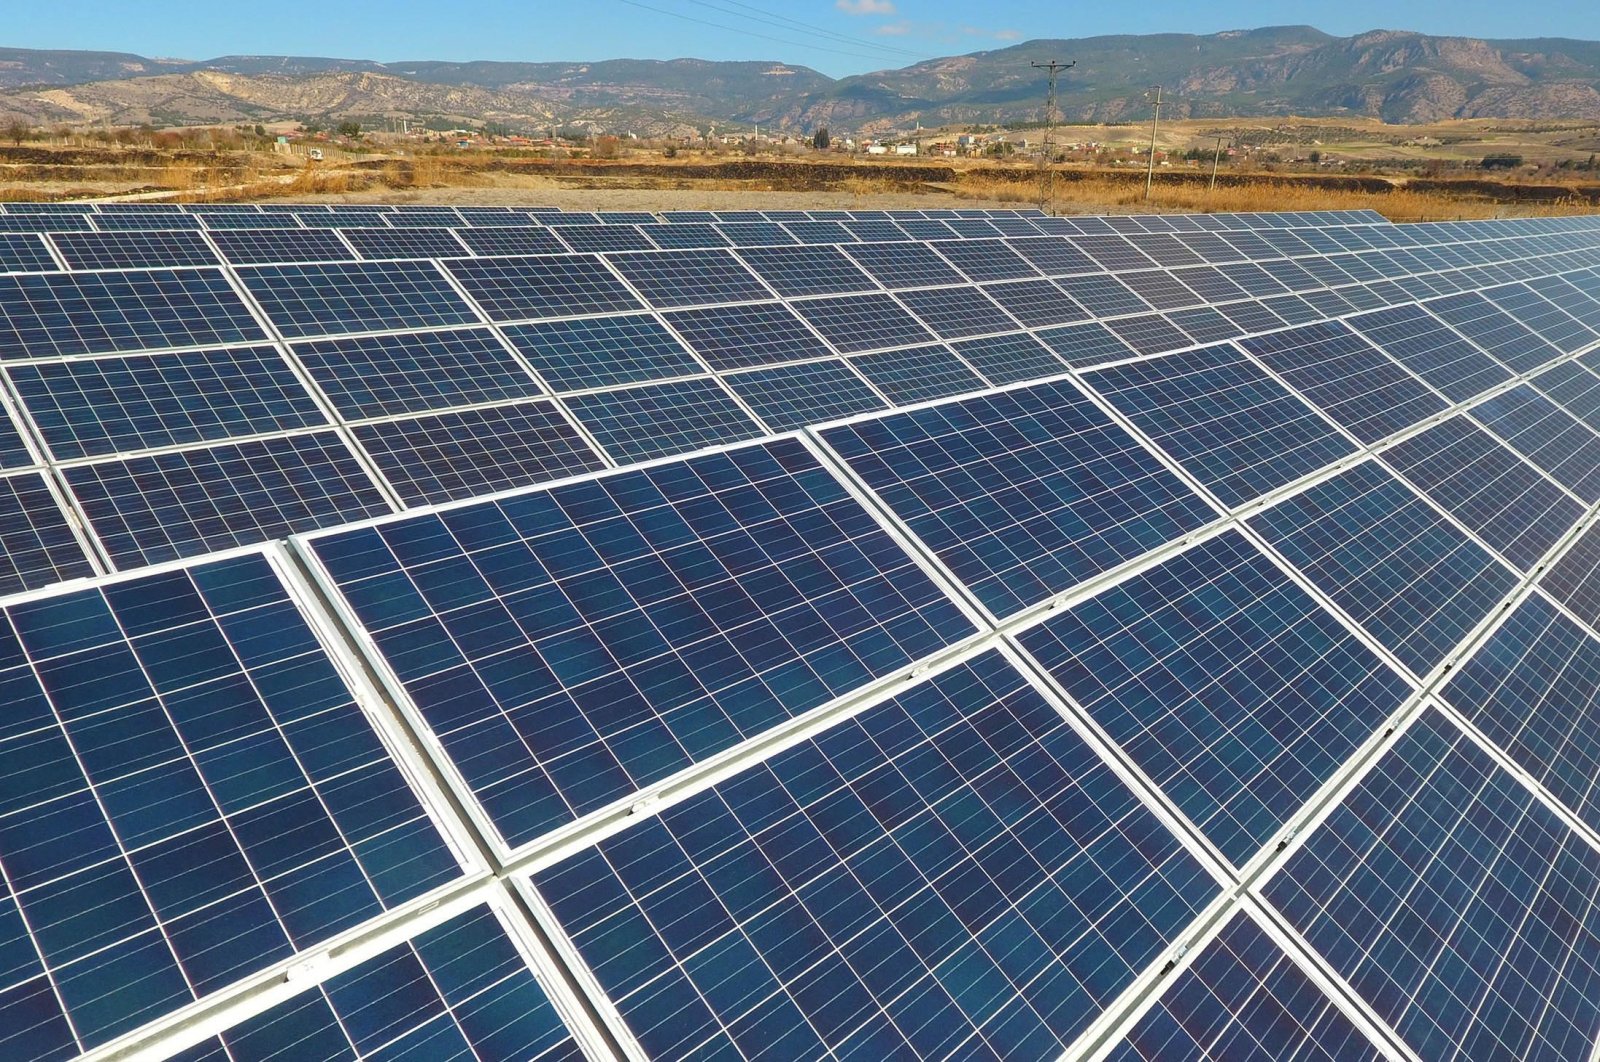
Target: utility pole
point(1155, 121)
point(1047, 186)
point(1215, 160)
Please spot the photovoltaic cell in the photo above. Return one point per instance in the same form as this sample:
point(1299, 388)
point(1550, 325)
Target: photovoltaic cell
point(1022, 494)
point(1547, 435)
point(133, 250)
point(182, 503)
point(792, 396)
point(659, 420)
point(255, 246)
point(1149, 333)
point(1251, 316)
point(690, 278)
point(1444, 892)
point(755, 234)
point(443, 457)
point(904, 265)
point(1103, 295)
point(1036, 303)
point(853, 323)
point(53, 314)
point(1202, 324)
point(1009, 359)
point(1348, 378)
point(604, 238)
point(1225, 420)
point(857, 896)
point(602, 351)
point(954, 312)
point(1230, 686)
point(305, 300)
point(20, 252)
point(509, 240)
point(1419, 341)
point(918, 374)
point(1244, 1000)
point(1085, 344)
point(570, 646)
point(1412, 579)
point(1543, 317)
point(94, 407)
point(739, 337)
point(1160, 289)
point(792, 271)
point(1054, 256)
point(373, 376)
point(37, 545)
point(1495, 494)
point(1573, 388)
point(1494, 330)
point(405, 243)
point(685, 236)
point(512, 289)
point(194, 794)
point(985, 259)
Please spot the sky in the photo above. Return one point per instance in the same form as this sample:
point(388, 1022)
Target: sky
point(837, 37)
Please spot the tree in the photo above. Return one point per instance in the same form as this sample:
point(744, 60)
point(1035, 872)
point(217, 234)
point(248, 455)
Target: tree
point(18, 131)
point(1502, 161)
point(349, 129)
point(820, 139)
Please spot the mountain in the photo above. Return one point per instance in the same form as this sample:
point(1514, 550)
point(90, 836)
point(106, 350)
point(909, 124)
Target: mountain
point(1398, 76)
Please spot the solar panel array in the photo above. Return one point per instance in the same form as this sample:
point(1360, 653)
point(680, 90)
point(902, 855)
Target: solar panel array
point(508, 633)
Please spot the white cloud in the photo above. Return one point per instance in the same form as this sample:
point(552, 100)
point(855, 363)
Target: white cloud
point(894, 29)
point(1008, 35)
point(865, 7)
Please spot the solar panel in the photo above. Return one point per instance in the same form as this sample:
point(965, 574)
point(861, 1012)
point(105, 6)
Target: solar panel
point(1036, 303)
point(131, 250)
point(755, 234)
point(926, 228)
point(1103, 295)
point(55, 314)
point(1494, 330)
point(953, 312)
point(1347, 378)
point(1086, 344)
point(685, 236)
point(819, 232)
point(305, 300)
point(1224, 419)
point(1258, 696)
point(918, 374)
point(738, 337)
point(1419, 341)
point(1022, 493)
point(1202, 324)
point(586, 690)
point(602, 351)
point(1493, 493)
point(99, 406)
point(1244, 999)
point(658, 420)
point(986, 259)
point(1574, 389)
point(854, 323)
point(690, 278)
point(793, 396)
point(404, 243)
point(37, 544)
point(1009, 359)
point(1413, 580)
point(1443, 892)
point(44, 223)
point(1543, 317)
point(511, 240)
point(604, 238)
point(161, 506)
point(1546, 435)
point(1160, 289)
point(374, 376)
point(191, 798)
point(904, 265)
point(1251, 316)
point(1149, 333)
point(423, 217)
point(794, 271)
point(511, 289)
point(20, 252)
point(1054, 256)
point(108, 221)
point(256, 246)
point(841, 884)
point(441, 457)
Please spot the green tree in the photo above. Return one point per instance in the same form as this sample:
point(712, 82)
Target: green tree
point(349, 129)
point(820, 139)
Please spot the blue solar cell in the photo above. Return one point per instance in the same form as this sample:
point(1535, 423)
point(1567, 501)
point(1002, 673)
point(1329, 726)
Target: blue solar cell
point(37, 223)
point(1113, 252)
point(1022, 494)
point(858, 896)
point(405, 243)
point(1543, 317)
point(602, 351)
point(52, 314)
point(192, 794)
point(1494, 493)
point(460, 990)
point(1494, 330)
point(375, 376)
point(793, 396)
point(305, 300)
point(755, 234)
point(1103, 295)
point(954, 312)
point(690, 278)
point(1412, 579)
point(918, 374)
point(1086, 344)
point(1547, 435)
point(792, 271)
point(37, 544)
point(443, 457)
point(1054, 256)
point(1160, 289)
point(123, 220)
point(659, 420)
point(513, 289)
point(685, 236)
point(1202, 324)
point(904, 265)
point(179, 504)
point(1244, 1000)
point(1228, 684)
point(254, 246)
point(1573, 388)
point(1455, 903)
point(99, 406)
point(568, 646)
point(1417, 340)
point(604, 238)
point(20, 252)
point(511, 240)
point(1224, 419)
point(1036, 303)
point(1347, 378)
point(986, 259)
point(854, 323)
point(1574, 578)
point(1009, 359)
point(738, 337)
point(819, 232)
point(926, 228)
point(1149, 333)
point(133, 250)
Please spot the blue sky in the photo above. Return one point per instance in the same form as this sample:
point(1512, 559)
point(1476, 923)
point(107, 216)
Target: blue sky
point(836, 36)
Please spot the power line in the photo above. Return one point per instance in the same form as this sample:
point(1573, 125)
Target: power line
point(784, 22)
point(751, 33)
point(1047, 184)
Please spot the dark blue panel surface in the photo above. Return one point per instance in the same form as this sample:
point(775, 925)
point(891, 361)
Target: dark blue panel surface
point(255, 246)
point(405, 243)
point(21, 252)
point(739, 337)
point(690, 278)
point(133, 250)
point(1574, 579)
point(569, 646)
point(602, 351)
point(918, 374)
point(904, 265)
point(854, 323)
point(792, 396)
point(571, 285)
point(320, 300)
point(1494, 330)
point(954, 312)
point(1224, 419)
point(1227, 683)
point(1085, 344)
point(792, 271)
point(1022, 494)
point(1547, 435)
point(952, 874)
point(1036, 303)
point(37, 546)
point(985, 259)
point(1411, 578)
point(374, 376)
point(507, 240)
point(1009, 359)
point(1419, 341)
point(659, 420)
